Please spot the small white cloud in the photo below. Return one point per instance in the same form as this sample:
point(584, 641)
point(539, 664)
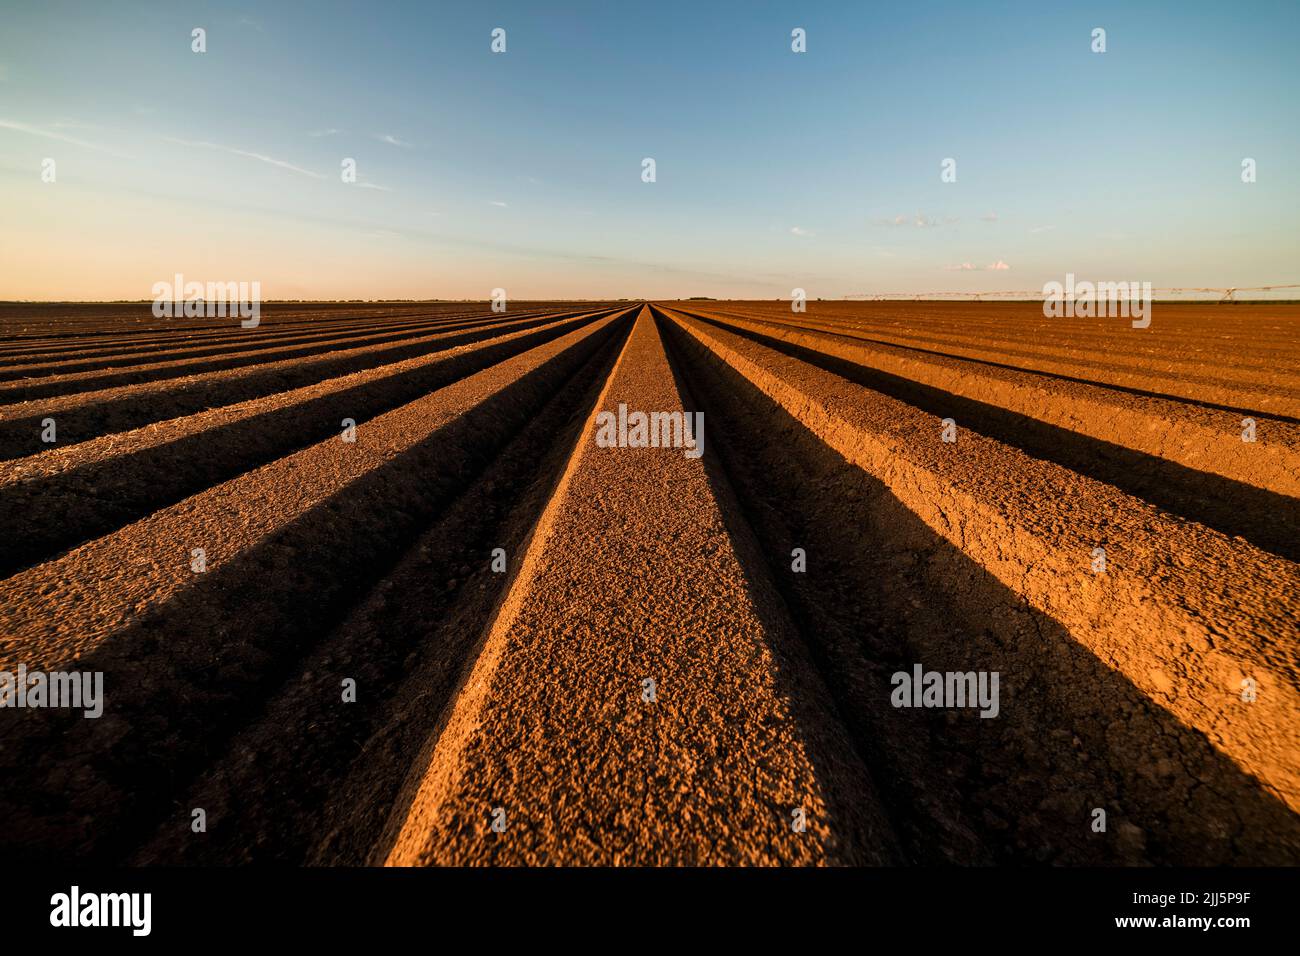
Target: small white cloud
point(260, 157)
point(37, 131)
point(391, 140)
point(365, 185)
point(999, 266)
point(497, 202)
point(249, 22)
point(920, 221)
point(1038, 229)
point(964, 267)
point(989, 217)
point(800, 231)
point(324, 132)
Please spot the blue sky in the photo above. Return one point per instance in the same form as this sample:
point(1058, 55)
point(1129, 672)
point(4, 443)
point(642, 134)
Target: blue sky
point(522, 170)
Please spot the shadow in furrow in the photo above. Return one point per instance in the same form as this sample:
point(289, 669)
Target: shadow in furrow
point(883, 592)
point(1023, 370)
point(188, 674)
point(1269, 521)
point(150, 402)
point(864, 833)
point(178, 349)
point(53, 514)
point(311, 779)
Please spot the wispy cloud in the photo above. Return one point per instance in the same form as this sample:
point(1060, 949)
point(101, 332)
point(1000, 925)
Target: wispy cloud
point(324, 132)
point(247, 21)
point(50, 134)
point(800, 231)
point(365, 185)
point(391, 140)
point(919, 221)
point(989, 217)
point(1038, 229)
point(497, 202)
point(998, 266)
point(260, 157)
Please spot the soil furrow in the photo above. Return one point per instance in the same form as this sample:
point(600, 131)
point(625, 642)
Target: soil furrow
point(1160, 612)
point(140, 355)
point(557, 734)
point(882, 592)
point(313, 779)
point(86, 415)
point(1164, 369)
point(167, 366)
point(128, 323)
point(1150, 449)
point(288, 546)
point(63, 497)
point(1239, 389)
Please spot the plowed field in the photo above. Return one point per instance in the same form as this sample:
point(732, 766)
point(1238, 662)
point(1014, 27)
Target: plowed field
point(636, 584)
